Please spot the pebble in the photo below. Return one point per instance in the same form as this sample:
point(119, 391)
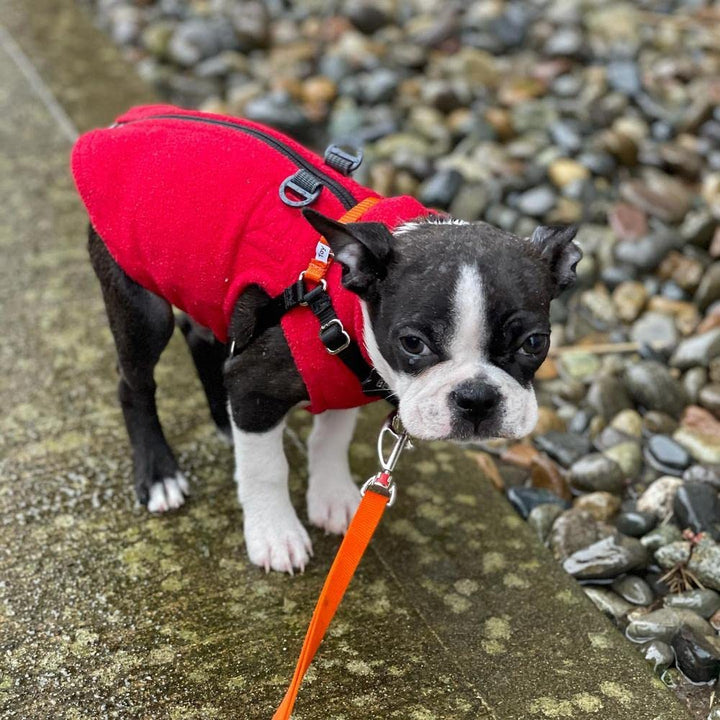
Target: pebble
point(673, 553)
point(607, 558)
point(667, 456)
point(608, 603)
point(596, 472)
point(709, 474)
point(537, 202)
point(663, 624)
point(704, 447)
point(708, 291)
point(629, 298)
point(627, 221)
point(572, 531)
point(277, 109)
point(565, 447)
point(541, 519)
point(709, 398)
point(628, 456)
point(635, 523)
point(659, 195)
point(624, 76)
point(628, 422)
point(697, 507)
point(524, 499)
point(659, 498)
point(633, 589)
point(651, 386)
point(655, 329)
point(702, 601)
point(439, 190)
point(564, 171)
point(645, 254)
point(705, 563)
point(603, 506)
point(694, 380)
point(660, 536)
point(544, 473)
point(659, 423)
point(659, 654)
point(608, 397)
point(697, 656)
point(548, 421)
point(697, 350)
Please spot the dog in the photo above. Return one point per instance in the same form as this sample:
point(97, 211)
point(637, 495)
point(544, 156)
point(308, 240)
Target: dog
point(222, 218)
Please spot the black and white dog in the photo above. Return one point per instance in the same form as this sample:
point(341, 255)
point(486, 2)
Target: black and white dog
point(453, 316)
point(457, 325)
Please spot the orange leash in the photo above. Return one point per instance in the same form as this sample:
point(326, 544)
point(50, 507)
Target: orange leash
point(378, 493)
point(323, 257)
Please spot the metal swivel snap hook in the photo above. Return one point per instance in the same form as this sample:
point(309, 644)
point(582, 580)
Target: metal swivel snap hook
point(382, 482)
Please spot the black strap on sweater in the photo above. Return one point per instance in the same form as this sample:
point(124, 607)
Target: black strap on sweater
point(332, 333)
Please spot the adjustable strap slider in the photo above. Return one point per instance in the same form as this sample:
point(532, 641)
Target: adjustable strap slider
point(334, 336)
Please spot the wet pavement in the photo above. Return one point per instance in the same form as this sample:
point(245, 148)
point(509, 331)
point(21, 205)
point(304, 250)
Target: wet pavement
point(106, 612)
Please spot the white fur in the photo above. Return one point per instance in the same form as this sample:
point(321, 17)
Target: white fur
point(274, 536)
point(332, 496)
point(424, 399)
point(431, 219)
point(168, 494)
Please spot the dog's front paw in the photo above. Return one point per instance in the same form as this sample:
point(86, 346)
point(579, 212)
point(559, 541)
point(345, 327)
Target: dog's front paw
point(168, 494)
point(276, 539)
point(331, 506)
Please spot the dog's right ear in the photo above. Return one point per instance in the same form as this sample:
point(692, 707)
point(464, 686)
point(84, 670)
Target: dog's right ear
point(364, 249)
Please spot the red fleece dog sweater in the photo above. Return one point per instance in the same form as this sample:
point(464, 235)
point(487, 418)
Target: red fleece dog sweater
point(188, 206)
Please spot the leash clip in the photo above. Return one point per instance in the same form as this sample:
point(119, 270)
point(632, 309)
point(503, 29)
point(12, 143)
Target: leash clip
point(382, 482)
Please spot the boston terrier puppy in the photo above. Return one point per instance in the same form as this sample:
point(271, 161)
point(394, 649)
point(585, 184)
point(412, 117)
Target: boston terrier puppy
point(451, 317)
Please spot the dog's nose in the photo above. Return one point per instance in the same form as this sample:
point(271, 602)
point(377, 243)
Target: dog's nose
point(474, 401)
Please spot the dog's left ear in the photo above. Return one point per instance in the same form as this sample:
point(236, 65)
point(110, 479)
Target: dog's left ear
point(557, 249)
point(364, 249)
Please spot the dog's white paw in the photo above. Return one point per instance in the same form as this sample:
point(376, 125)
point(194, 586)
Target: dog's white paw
point(276, 539)
point(168, 494)
point(331, 506)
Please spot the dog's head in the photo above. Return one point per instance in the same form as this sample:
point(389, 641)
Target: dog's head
point(455, 317)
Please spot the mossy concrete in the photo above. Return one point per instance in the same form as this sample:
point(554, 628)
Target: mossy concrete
point(106, 612)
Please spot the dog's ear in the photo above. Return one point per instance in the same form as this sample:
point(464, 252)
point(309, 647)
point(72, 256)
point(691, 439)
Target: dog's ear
point(364, 249)
point(557, 249)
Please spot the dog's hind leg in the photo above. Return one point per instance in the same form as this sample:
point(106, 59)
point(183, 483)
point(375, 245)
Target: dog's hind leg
point(208, 354)
point(332, 496)
point(142, 324)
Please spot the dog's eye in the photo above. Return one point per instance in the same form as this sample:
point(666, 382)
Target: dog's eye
point(413, 345)
point(536, 344)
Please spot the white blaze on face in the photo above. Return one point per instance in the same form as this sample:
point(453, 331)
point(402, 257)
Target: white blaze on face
point(425, 408)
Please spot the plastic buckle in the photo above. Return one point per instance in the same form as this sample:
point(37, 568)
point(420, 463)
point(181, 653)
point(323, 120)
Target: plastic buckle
point(302, 183)
point(343, 161)
point(335, 323)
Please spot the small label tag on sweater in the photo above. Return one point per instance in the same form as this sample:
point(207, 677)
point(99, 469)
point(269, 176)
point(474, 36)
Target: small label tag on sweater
point(322, 252)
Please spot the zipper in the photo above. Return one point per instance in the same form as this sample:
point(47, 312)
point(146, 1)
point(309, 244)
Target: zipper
point(337, 189)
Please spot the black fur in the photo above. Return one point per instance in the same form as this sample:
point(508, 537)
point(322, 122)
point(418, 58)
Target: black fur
point(141, 324)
